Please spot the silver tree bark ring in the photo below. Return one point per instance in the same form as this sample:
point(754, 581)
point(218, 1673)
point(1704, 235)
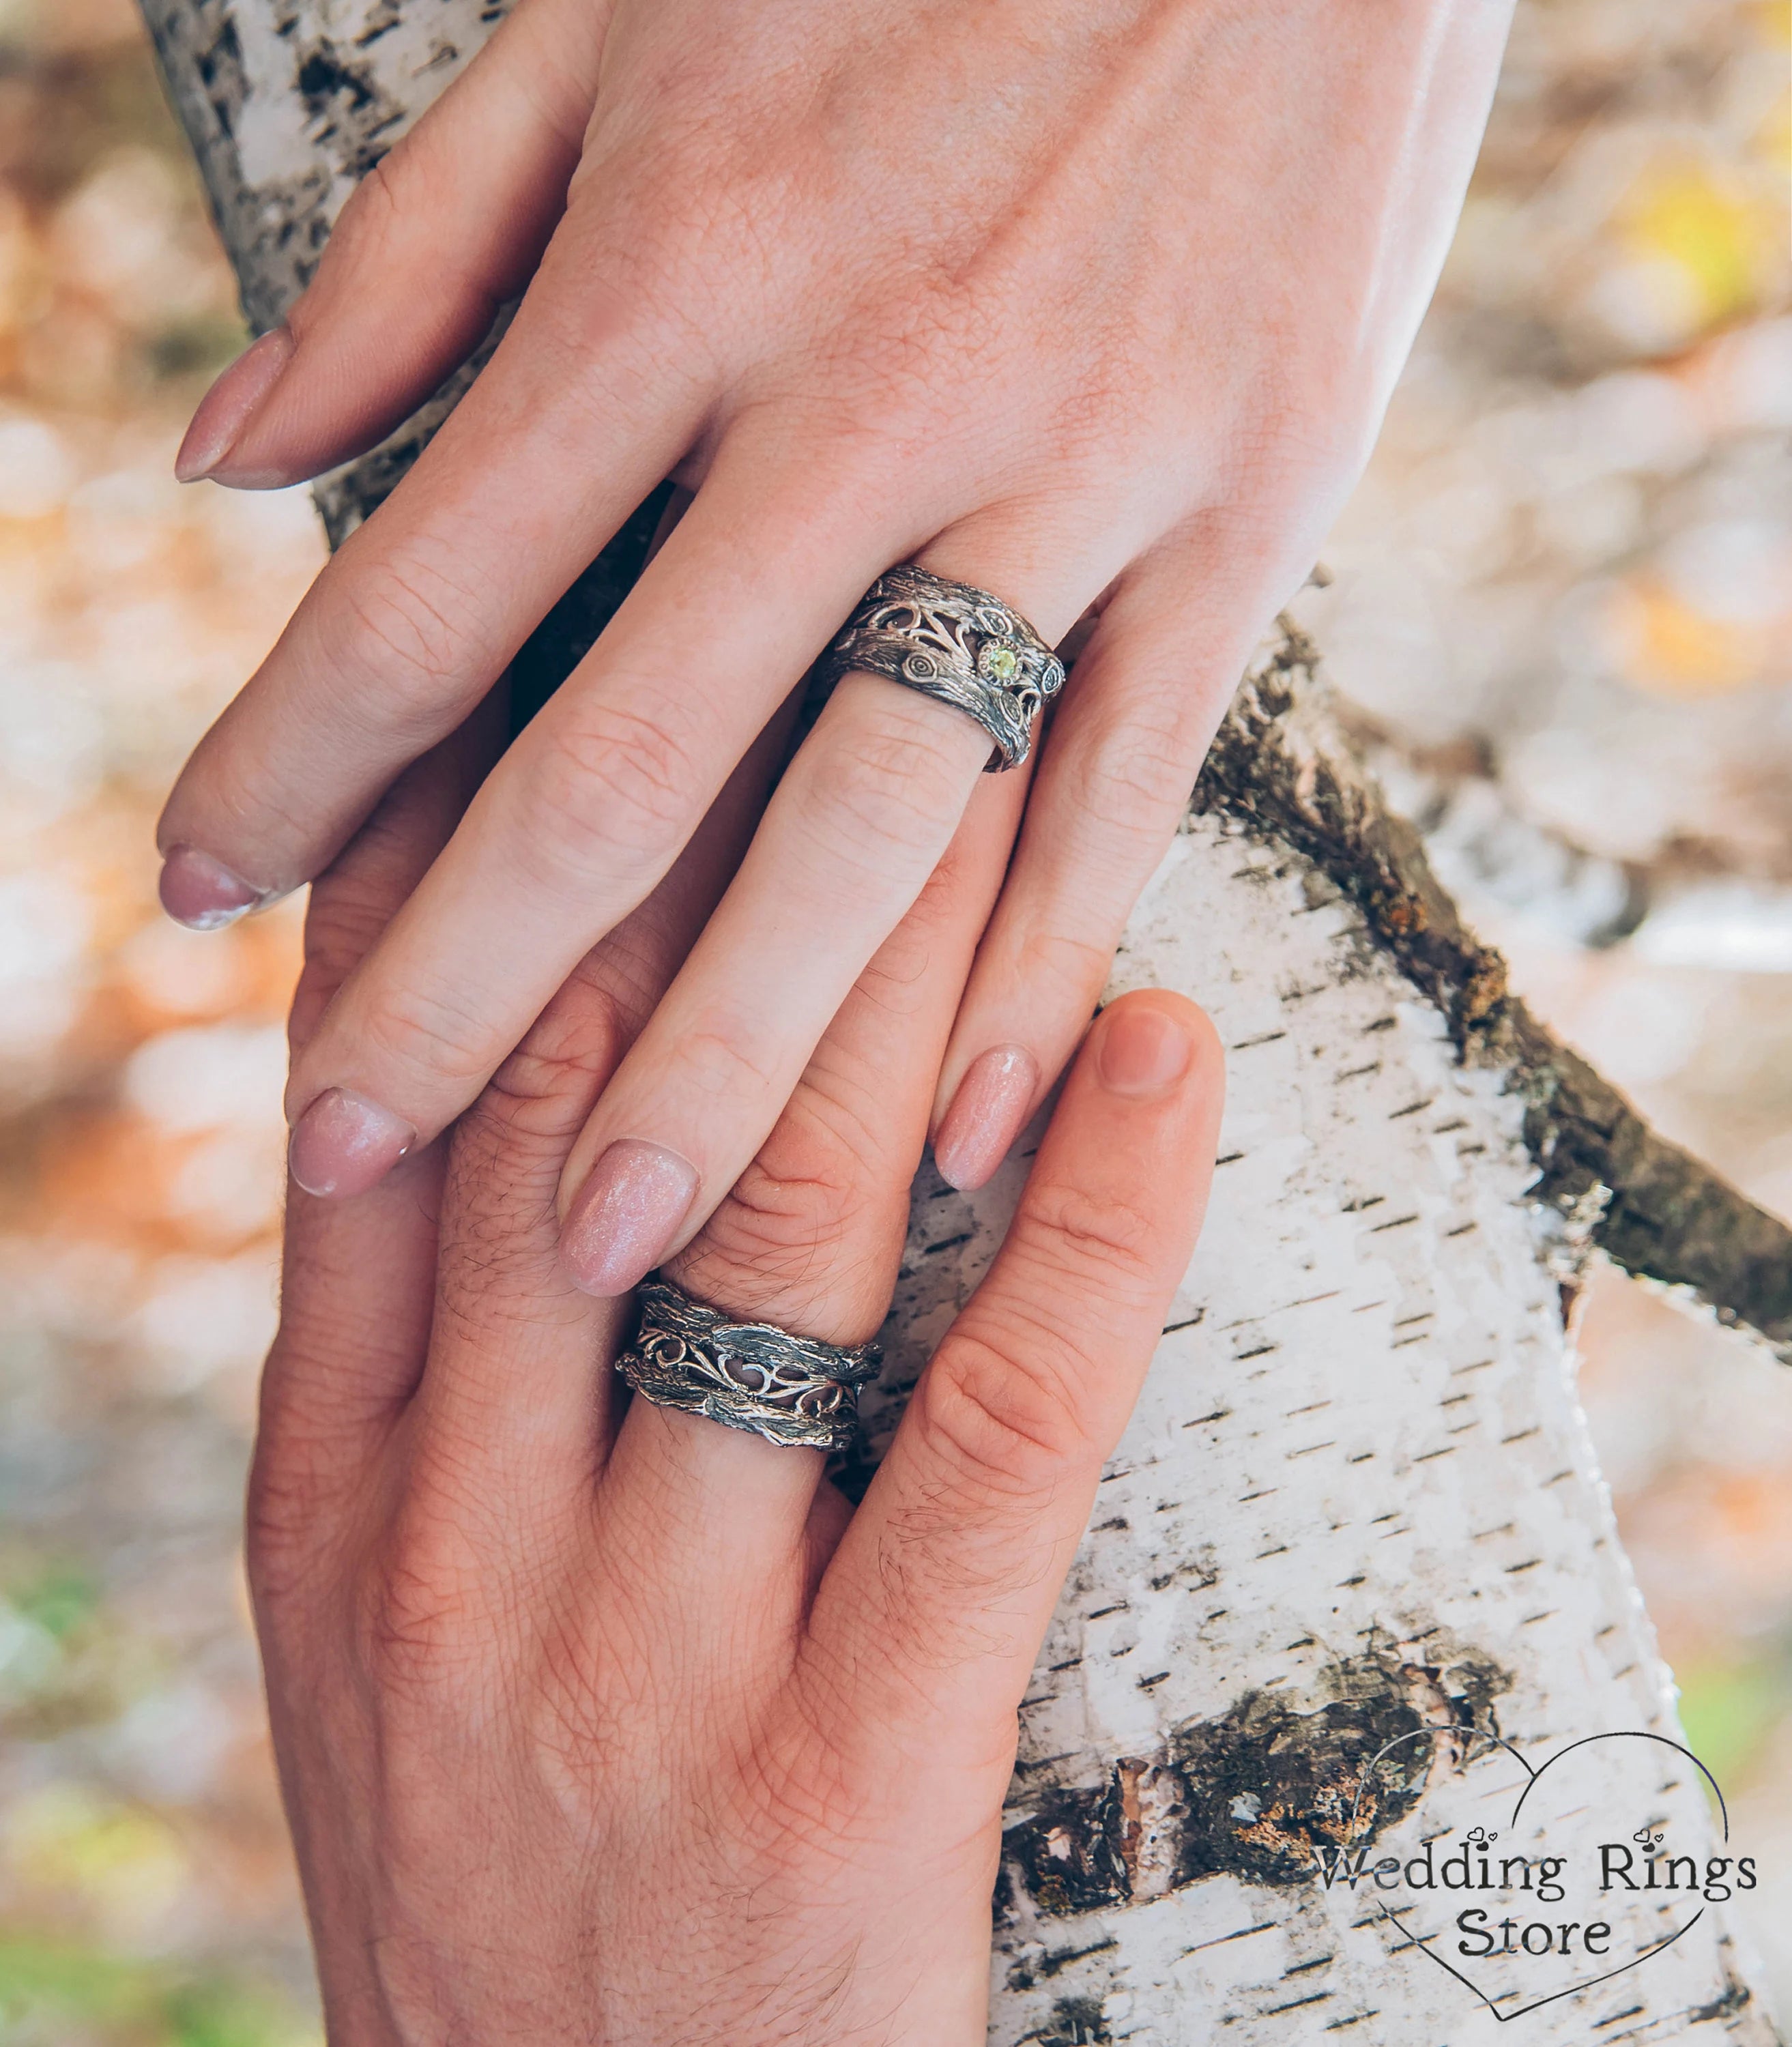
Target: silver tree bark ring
point(751, 1375)
point(958, 643)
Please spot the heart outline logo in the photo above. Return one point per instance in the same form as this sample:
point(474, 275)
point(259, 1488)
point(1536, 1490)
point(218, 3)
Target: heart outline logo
point(1533, 1777)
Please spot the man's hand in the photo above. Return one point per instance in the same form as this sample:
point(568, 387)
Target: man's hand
point(1097, 307)
point(599, 1722)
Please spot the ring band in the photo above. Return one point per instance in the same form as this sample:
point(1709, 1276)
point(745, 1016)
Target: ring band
point(751, 1375)
point(955, 642)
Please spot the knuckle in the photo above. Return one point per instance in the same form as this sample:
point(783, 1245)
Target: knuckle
point(374, 213)
point(612, 791)
point(998, 1417)
point(502, 1174)
point(500, 1255)
point(778, 1230)
point(723, 1067)
point(887, 791)
point(346, 916)
point(815, 1223)
point(1135, 778)
point(399, 634)
point(426, 1030)
point(1061, 972)
point(420, 1617)
point(1095, 1246)
point(1009, 1403)
point(769, 1212)
point(570, 1049)
point(532, 1093)
point(282, 1506)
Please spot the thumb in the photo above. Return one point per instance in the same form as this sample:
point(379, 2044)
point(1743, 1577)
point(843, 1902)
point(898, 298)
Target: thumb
point(934, 1606)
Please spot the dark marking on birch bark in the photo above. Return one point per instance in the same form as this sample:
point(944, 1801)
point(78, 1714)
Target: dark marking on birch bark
point(220, 71)
point(1736, 1997)
point(1075, 2022)
point(274, 231)
point(1259, 1793)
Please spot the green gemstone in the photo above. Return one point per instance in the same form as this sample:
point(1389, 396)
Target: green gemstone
point(1001, 664)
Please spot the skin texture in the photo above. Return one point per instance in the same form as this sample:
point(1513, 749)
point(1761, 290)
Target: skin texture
point(598, 1723)
point(1098, 307)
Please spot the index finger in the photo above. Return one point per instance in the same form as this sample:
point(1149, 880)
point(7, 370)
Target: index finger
point(422, 608)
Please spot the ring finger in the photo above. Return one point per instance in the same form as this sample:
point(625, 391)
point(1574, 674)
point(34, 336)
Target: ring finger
point(811, 1236)
point(862, 818)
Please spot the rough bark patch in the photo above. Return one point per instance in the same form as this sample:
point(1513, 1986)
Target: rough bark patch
point(1264, 1791)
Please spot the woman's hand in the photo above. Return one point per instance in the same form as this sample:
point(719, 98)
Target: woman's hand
point(1092, 306)
point(599, 1724)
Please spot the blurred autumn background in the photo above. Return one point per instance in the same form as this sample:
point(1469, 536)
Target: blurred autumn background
point(1561, 604)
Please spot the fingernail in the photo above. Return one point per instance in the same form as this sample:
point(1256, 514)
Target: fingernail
point(229, 406)
point(1142, 1051)
point(626, 1215)
point(344, 1143)
point(986, 1116)
point(203, 893)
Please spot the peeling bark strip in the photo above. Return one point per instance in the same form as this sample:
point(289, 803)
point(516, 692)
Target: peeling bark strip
point(1283, 767)
point(1357, 1498)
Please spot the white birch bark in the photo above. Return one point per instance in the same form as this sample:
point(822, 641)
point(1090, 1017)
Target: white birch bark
point(1358, 1471)
point(1357, 1502)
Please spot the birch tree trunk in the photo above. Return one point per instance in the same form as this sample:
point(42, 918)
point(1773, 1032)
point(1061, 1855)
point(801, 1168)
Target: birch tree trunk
point(1356, 1515)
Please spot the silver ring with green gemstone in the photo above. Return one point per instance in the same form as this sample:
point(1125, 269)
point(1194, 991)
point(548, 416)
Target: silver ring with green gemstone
point(955, 642)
